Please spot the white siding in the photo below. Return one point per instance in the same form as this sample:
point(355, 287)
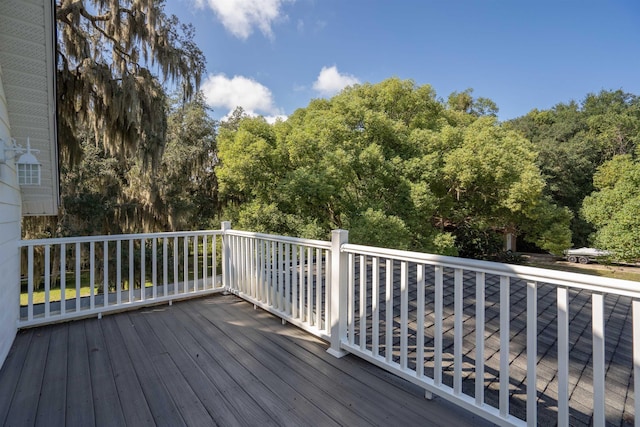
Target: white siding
point(10, 207)
point(26, 55)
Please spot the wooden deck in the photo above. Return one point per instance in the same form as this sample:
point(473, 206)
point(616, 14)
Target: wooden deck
point(204, 362)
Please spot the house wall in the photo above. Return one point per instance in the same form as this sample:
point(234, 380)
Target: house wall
point(27, 40)
point(10, 212)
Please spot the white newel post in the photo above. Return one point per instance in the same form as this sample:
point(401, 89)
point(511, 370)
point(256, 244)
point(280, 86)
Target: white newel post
point(338, 300)
point(226, 255)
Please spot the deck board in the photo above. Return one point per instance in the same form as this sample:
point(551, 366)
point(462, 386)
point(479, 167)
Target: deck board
point(79, 409)
point(104, 391)
point(279, 409)
point(208, 361)
point(11, 371)
point(189, 405)
point(293, 369)
point(23, 405)
point(134, 406)
point(163, 408)
point(53, 399)
point(186, 352)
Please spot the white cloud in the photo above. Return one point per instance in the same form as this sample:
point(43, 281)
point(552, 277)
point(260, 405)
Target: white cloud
point(240, 17)
point(330, 81)
point(228, 93)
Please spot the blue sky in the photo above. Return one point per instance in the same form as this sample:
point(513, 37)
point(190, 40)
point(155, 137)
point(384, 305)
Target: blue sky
point(274, 56)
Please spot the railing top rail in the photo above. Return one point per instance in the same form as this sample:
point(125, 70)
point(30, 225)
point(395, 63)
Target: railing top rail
point(272, 237)
point(115, 237)
point(555, 277)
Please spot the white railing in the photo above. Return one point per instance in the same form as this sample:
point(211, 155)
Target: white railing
point(493, 338)
point(74, 277)
point(516, 345)
point(283, 275)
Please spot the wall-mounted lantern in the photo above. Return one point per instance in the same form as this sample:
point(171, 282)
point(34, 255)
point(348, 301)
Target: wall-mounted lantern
point(27, 166)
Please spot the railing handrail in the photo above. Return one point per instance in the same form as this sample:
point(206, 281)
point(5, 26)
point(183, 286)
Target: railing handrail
point(556, 277)
point(114, 237)
point(284, 239)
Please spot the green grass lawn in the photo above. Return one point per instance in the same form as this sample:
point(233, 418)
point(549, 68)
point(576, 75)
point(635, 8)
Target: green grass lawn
point(55, 293)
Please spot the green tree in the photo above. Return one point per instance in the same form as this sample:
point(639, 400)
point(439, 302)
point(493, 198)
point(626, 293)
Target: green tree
point(613, 208)
point(108, 54)
point(574, 139)
point(104, 194)
point(391, 163)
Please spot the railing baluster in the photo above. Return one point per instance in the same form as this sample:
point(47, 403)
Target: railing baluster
point(437, 333)
point(351, 301)
point(404, 313)
point(195, 263)
point(214, 260)
point(318, 321)
point(165, 267)
point(266, 281)
point(131, 271)
point(363, 304)
point(301, 282)
point(92, 275)
point(63, 278)
point(309, 316)
point(239, 264)
point(532, 352)
point(597, 315)
point(479, 371)
point(143, 271)
point(388, 355)
point(47, 280)
point(78, 275)
point(30, 274)
point(327, 291)
point(154, 267)
point(563, 356)
point(105, 267)
point(261, 267)
point(176, 263)
point(505, 312)
point(205, 271)
point(254, 269)
point(420, 282)
point(274, 275)
point(294, 282)
point(280, 304)
point(375, 309)
point(457, 331)
point(287, 279)
point(118, 272)
point(185, 264)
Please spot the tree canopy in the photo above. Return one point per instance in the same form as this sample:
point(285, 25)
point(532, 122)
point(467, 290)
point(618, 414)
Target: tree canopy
point(395, 166)
point(573, 139)
point(103, 194)
point(113, 57)
point(614, 207)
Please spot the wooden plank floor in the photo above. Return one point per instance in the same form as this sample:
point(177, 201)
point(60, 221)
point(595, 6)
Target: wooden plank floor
point(204, 362)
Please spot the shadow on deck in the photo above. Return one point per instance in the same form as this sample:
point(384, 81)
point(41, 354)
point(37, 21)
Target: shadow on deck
point(203, 362)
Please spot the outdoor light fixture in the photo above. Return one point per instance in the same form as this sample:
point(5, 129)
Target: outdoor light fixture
point(28, 167)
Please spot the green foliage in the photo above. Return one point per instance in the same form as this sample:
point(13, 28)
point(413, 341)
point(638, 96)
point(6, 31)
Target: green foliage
point(107, 195)
point(375, 228)
point(392, 164)
point(108, 54)
point(613, 209)
point(573, 140)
